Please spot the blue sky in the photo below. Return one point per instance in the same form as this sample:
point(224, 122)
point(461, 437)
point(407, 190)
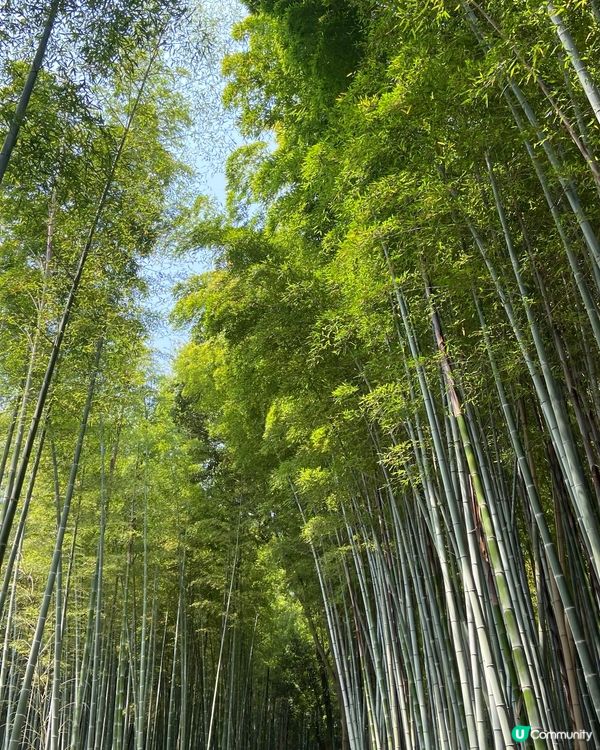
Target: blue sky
point(212, 137)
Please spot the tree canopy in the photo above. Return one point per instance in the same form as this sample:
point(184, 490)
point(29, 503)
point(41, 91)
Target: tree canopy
point(361, 511)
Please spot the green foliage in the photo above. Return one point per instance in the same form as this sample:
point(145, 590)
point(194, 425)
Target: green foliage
point(363, 509)
point(337, 347)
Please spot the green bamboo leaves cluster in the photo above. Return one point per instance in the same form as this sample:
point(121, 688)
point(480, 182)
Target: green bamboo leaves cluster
point(74, 216)
point(398, 352)
point(125, 617)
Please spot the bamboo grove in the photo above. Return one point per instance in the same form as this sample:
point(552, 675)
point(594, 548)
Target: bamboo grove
point(114, 630)
point(361, 512)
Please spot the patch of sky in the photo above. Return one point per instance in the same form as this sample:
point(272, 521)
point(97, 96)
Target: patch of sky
point(210, 137)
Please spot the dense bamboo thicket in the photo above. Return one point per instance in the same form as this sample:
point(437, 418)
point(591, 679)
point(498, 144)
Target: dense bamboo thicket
point(134, 610)
point(362, 512)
